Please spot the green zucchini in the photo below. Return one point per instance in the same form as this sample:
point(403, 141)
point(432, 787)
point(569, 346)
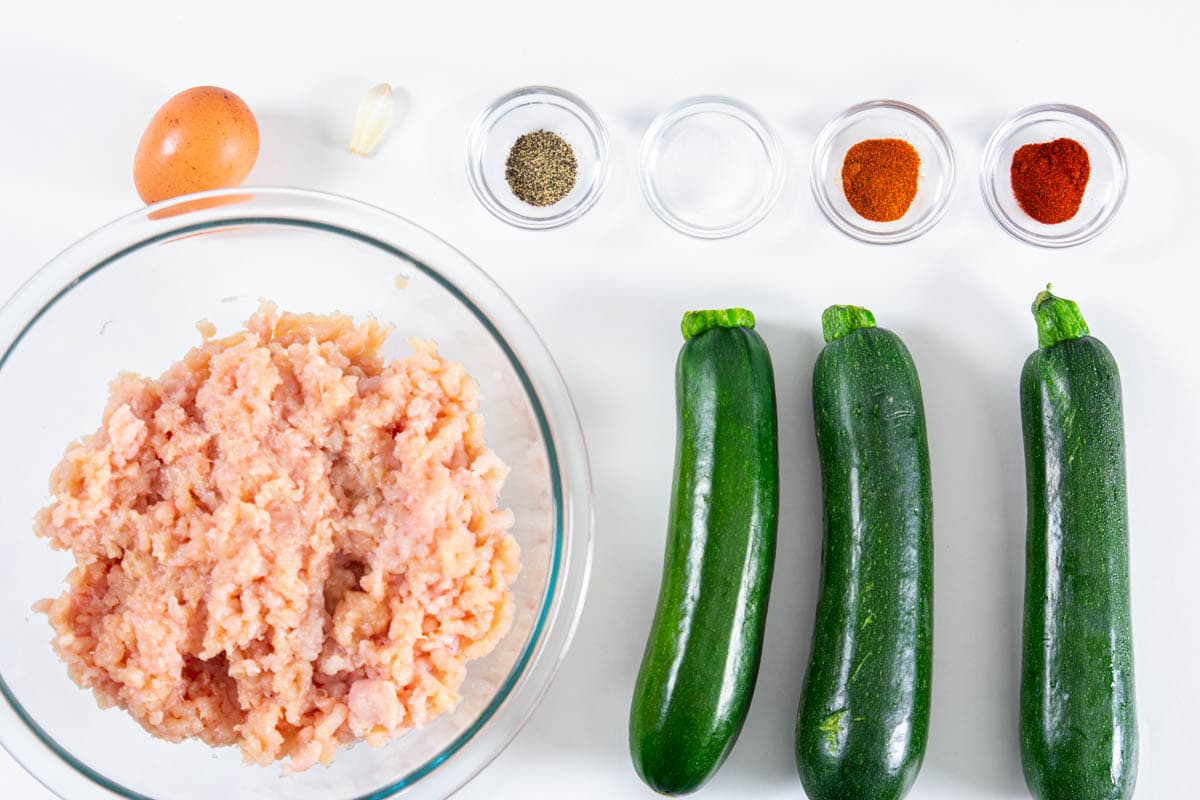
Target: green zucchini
point(702, 656)
point(864, 709)
point(1078, 720)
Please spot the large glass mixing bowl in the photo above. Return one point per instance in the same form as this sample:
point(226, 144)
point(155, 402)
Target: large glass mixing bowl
point(126, 298)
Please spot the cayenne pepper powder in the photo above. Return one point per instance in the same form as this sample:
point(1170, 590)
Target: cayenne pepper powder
point(879, 178)
point(1049, 179)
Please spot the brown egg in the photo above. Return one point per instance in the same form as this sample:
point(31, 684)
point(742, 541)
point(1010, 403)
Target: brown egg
point(202, 138)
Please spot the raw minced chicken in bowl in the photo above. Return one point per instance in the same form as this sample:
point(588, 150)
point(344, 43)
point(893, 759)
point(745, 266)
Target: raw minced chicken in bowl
point(284, 542)
point(333, 547)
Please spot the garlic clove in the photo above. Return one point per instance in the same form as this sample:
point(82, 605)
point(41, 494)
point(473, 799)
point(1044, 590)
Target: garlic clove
point(376, 113)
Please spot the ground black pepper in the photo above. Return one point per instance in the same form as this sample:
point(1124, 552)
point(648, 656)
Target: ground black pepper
point(541, 168)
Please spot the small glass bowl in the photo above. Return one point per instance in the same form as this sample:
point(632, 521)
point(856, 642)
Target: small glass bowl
point(884, 119)
point(523, 111)
point(1045, 123)
point(711, 167)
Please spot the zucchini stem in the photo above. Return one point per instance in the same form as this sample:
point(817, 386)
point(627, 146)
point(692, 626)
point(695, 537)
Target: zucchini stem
point(697, 322)
point(1058, 319)
point(837, 321)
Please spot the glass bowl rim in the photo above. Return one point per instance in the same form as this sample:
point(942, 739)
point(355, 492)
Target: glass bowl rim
point(477, 136)
point(989, 162)
point(905, 234)
point(558, 613)
point(743, 113)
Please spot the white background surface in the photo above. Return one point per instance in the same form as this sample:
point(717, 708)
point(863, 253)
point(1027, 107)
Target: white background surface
point(79, 81)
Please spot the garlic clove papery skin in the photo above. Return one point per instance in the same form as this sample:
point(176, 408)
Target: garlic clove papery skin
point(376, 113)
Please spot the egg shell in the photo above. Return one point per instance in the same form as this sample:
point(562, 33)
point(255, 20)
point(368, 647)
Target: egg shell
point(202, 138)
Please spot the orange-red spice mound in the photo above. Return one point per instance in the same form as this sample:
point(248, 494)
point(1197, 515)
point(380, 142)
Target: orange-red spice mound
point(879, 178)
point(1049, 179)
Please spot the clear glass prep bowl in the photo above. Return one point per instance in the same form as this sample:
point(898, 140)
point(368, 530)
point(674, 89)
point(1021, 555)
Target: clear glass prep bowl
point(711, 167)
point(1105, 189)
point(126, 297)
point(884, 119)
point(526, 110)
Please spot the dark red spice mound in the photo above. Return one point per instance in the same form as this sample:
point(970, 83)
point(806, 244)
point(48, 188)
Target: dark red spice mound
point(1049, 179)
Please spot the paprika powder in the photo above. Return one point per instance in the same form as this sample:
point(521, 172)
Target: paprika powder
point(879, 178)
point(1049, 179)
